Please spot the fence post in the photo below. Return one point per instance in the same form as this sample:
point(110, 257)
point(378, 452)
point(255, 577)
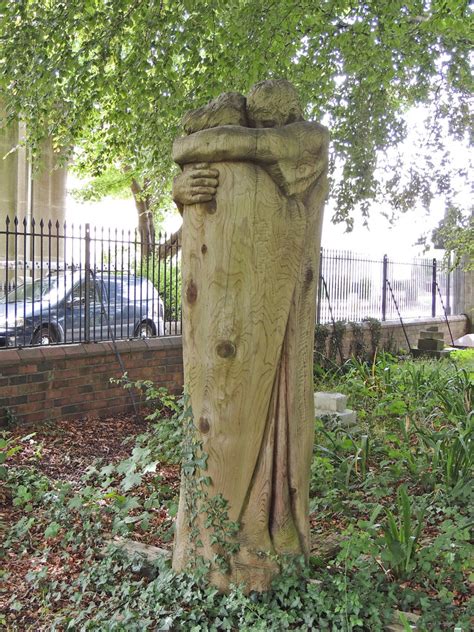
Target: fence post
point(87, 284)
point(433, 290)
point(384, 286)
point(318, 298)
point(448, 287)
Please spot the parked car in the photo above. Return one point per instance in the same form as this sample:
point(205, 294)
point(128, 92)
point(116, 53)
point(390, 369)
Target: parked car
point(68, 308)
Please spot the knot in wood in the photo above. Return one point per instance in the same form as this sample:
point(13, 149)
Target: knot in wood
point(309, 276)
point(226, 349)
point(191, 292)
point(204, 425)
point(211, 207)
point(204, 249)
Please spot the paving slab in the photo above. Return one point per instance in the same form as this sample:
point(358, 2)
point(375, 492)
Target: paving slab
point(332, 402)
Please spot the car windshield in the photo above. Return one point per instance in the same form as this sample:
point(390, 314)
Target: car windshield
point(30, 291)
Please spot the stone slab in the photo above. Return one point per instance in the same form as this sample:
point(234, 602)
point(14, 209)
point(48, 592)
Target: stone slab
point(431, 335)
point(149, 554)
point(430, 345)
point(419, 353)
point(331, 402)
point(463, 341)
point(447, 351)
point(345, 419)
point(396, 626)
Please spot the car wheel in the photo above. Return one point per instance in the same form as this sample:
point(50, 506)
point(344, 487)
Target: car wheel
point(44, 336)
point(145, 330)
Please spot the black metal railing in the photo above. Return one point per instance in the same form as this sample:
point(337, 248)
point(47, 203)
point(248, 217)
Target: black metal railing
point(65, 284)
point(61, 283)
point(358, 287)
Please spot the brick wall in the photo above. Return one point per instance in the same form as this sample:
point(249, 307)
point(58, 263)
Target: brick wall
point(71, 381)
point(45, 383)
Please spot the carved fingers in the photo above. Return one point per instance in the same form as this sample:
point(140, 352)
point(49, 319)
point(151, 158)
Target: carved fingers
point(196, 184)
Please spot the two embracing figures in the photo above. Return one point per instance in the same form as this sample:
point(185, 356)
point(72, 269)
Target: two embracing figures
point(252, 191)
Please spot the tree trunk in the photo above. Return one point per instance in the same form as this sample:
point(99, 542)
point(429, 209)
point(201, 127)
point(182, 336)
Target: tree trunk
point(146, 228)
point(171, 246)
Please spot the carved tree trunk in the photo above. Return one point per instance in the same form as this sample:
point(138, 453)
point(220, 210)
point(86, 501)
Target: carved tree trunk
point(249, 318)
point(250, 263)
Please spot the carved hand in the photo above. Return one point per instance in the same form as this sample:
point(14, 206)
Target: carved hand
point(195, 185)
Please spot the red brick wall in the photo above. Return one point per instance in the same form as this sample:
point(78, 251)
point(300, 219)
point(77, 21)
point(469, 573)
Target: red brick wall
point(72, 381)
point(45, 383)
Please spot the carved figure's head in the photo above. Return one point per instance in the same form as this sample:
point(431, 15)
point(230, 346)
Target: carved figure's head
point(226, 109)
point(273, 103)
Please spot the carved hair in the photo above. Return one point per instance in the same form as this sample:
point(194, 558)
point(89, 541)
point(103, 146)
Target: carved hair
point(227, 109)
point(277, 98)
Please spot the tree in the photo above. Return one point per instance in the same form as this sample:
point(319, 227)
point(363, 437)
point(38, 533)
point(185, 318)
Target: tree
point(455, 234)
point(115, 76)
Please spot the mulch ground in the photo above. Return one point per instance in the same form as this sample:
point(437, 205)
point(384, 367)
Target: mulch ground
point(67, 448)
point(63, 451)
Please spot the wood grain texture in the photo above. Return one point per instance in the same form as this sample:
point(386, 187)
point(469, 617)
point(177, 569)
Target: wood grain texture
point(249, 267)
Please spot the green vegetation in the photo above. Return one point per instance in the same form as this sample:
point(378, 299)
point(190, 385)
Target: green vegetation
point(393, 494)
point(114, 77)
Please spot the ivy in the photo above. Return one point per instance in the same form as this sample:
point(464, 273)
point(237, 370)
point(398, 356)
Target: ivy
point(203, 511)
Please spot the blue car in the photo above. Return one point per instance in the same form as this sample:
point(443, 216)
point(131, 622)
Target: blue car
point(67, 308)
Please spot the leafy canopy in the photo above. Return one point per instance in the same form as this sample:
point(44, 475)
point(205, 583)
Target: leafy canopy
point(114, 77)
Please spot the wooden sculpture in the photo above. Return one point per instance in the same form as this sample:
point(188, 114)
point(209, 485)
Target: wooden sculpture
point(250, 259)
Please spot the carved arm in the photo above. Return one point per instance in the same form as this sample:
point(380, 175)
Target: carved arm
point(262, 145)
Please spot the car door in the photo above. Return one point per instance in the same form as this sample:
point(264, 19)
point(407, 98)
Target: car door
point(77, 319)
point(125, 309)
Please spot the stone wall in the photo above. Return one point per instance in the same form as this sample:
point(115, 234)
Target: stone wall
point(45, 383)
point(393, 338)
point(28, 193)
point(464, 294)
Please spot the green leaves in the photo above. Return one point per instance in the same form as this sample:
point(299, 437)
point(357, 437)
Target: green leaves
point(400, 537)
point(115, 78)
point(52, 530)
point(132, 479)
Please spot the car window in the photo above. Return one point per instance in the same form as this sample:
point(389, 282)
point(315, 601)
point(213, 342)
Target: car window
point(78, 293)
point(132, 289)
point(115, 288)
point(32, 290)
